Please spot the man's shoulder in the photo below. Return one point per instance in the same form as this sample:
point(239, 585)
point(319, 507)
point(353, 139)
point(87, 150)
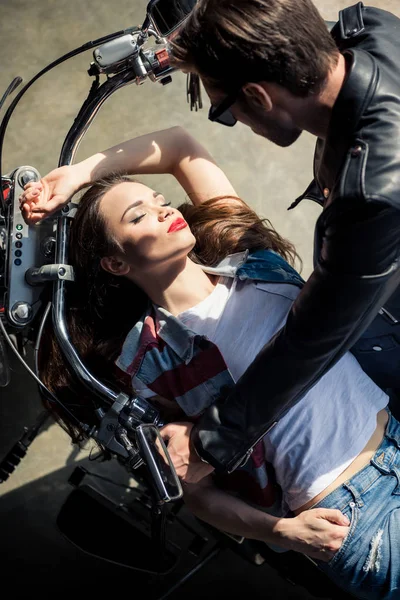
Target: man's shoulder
point(361, 155)
point(371, 170)
point(371, 29)
point(371, 102)
point(372, 166)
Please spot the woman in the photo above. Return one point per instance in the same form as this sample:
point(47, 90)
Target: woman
point(183, 311)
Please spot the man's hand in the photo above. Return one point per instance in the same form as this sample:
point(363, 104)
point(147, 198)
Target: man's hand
point(189, 467)
point(318, 532)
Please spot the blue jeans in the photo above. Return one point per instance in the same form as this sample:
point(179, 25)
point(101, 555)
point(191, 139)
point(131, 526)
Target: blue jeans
point(368, 563)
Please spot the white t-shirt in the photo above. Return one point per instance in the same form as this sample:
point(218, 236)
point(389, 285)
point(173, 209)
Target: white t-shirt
point(322, 434)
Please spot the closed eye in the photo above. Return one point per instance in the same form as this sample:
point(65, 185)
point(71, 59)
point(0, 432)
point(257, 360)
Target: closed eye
point(138, 219)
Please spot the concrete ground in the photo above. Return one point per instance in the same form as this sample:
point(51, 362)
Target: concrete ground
point(32, 34)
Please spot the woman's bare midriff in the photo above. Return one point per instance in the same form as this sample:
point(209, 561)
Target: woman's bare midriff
point(358, 463)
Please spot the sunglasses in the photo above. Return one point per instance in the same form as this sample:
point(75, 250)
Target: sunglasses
point(222, 113)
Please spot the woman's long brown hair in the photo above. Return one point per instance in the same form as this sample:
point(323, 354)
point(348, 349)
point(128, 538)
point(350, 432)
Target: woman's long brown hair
point(102, 308)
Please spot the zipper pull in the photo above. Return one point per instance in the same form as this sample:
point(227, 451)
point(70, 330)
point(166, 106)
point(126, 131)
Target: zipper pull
point(386, 313)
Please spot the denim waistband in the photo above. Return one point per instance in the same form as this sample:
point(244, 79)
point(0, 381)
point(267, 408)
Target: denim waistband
point(385, 460)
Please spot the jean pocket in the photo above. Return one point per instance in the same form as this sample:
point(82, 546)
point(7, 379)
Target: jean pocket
point(351, 511)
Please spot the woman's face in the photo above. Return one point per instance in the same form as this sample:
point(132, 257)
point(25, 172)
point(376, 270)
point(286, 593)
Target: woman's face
point(149, 231)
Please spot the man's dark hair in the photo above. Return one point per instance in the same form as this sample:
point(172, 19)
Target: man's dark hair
point(232, 42)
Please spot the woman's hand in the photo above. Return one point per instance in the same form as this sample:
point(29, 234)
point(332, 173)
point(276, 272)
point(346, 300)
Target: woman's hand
point(318, 532)
point(42, 198)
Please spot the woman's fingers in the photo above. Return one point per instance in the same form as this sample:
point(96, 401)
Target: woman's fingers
point(40, 199)
point(31, 189)
point(50, 206)
point(32, 196)
point(34, 212)
point(32, 218)
point(32, 185)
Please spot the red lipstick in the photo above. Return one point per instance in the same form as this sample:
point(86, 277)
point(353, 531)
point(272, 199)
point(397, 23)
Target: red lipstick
point(177, 225)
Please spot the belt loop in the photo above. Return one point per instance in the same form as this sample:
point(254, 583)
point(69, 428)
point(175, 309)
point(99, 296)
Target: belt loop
point(396, 472)
point(384, 458)
point(355, 494)
point(394, 439)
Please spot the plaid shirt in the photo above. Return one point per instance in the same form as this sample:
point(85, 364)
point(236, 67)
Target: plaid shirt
point(180, 365)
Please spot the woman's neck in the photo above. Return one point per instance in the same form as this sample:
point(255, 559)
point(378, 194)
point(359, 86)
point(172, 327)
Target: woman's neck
point(181, 287)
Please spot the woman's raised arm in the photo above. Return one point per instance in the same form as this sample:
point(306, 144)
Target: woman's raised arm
point(172, 151)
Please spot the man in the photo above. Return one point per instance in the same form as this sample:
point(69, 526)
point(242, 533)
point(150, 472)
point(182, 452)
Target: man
point(274, 66)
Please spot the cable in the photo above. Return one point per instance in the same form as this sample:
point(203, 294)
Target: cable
point(11, 88)
point(71, 54)
point(114, 562)
point(43, 388)
point(39, 336)
point(158, 533)
point(3, 128)
point(4, 366)
point(216, 550)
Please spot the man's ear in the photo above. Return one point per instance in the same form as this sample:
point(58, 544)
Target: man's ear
point(257, 94)
point(114, 265)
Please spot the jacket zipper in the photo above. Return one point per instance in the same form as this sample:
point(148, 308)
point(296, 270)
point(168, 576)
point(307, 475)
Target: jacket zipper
point(384, 312)
point(243, 459)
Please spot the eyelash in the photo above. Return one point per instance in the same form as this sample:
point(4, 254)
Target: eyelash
point(138, 219)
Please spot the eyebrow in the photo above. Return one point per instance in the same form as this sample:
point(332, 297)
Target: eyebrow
point(133, 205)
point(138, 203)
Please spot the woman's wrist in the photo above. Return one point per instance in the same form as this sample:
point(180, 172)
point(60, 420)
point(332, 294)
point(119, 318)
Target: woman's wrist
point(86, 172)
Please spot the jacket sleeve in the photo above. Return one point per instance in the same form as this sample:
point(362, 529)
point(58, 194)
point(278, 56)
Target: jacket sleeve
point(356, 271)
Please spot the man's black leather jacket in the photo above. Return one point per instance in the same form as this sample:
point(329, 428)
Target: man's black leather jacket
point(356, 252)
